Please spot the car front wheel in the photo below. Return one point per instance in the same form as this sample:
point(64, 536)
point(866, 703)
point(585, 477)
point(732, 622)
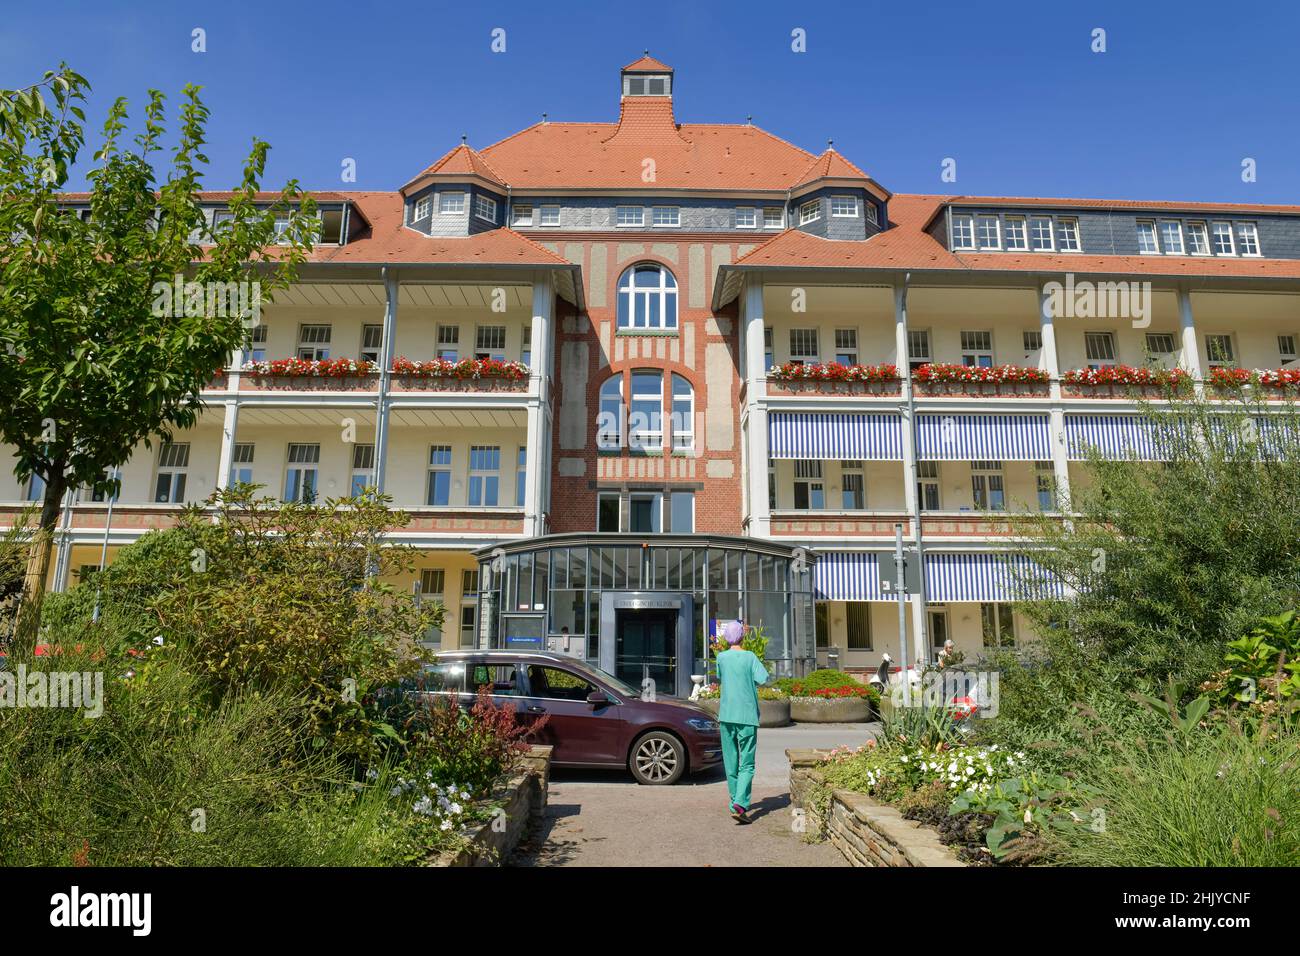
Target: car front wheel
point(658, 759)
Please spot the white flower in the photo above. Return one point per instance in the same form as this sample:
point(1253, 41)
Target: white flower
point(423, 806)
point(446, 825)
point(455, 808)
point(372, 774)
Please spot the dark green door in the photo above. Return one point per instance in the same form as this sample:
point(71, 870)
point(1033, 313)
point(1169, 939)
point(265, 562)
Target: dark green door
point(646, 647)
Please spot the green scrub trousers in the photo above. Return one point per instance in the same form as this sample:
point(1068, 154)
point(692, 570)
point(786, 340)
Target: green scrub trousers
point(738, 744)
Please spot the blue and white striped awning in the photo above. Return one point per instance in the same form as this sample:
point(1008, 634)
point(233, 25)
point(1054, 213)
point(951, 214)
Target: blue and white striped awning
point(1114, 437)
point(984, 577)
point(847, 576)
point(983, 437)
point(829, 435)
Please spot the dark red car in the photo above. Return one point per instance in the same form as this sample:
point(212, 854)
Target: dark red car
point(595, 719)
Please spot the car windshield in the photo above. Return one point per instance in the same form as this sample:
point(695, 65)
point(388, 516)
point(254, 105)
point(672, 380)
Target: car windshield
point(621, 686)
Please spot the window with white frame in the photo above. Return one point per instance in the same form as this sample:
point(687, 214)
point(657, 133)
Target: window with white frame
point(746, 217)
point(1198, 239)
point(313, 342)
point(1286, 348)
point(173, 464)
point(451, 204)
point(844, 207)
point(1160, 346)
point(683, 414)
point(256, 351)
point(647, 84)
point(986, 485)
point(927, 485)
point(609, 423)
point(853, 486)
point(1045, 485)
point(609, 506)
point(977, 349)
point(988, 232)
point(439, 482)
point(1032, 339)
point(241, 463)
point(645, 410)
point(1247, 239)
point(550, 215)
point(1017, 238)
point(363, 468)
point(918, 348)
point(810, 212)
point(998, 623)
point(803, 346)
point(485, 207)
point(872, 217)
point(372, 342)
point(1146, 235)
point(963, 232)
point(301, 475)
point(422, 208)
point(521, 214)
point(666, 217)
point(1040, 233)
point(846, 346)
point(433, 582)
point(490, 342)
point(1099, 349)
point(681, 512)
point(1219, 352)
point(36, 488)
point(809, 490)
point(647, 298)
point(768, 358)
point(1222, 232)
point(484, 475)
point(521, 475)
point(626, 216)
point(1171, 237)
point(1067, 235)
point(645, 512)
point(773, 217)
point(449, 342)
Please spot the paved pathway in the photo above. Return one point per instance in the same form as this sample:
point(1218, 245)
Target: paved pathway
point(603, 818)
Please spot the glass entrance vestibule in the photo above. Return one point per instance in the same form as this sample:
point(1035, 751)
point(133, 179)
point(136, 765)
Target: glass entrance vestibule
point(645, 610)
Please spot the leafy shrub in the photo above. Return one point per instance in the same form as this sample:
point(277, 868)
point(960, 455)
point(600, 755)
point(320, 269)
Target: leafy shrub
point(826, 683)
point(755, 640)
point(1262, 675)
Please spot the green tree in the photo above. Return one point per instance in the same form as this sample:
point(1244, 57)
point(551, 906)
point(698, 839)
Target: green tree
point(1172, 560)
point(88, 369)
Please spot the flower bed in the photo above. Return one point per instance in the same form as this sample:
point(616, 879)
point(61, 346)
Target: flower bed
point(305, 368)
point(833, 372)
point(1169, 378)
point(998, 374)
point(469, 368)
point(489, 830)
point(830, 697)
point(1275, 378)
point(773, 705)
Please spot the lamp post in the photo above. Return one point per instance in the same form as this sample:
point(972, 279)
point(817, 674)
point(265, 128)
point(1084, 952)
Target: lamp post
point(115, 474)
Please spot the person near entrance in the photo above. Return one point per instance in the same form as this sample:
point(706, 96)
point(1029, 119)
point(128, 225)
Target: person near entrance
point(740, 672)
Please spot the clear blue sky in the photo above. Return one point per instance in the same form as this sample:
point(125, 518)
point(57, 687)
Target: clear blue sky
point(1012, 91)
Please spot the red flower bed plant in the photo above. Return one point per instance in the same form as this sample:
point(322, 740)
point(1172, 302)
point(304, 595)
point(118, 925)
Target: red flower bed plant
point(1268, 377)
point(299, 368)
point(468, 368)
point(833, 372)
point(837, 693)
point(1127, 375)
point(998, 374)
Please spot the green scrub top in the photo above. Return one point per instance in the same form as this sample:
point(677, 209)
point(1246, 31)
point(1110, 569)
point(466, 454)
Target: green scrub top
point(740, 672)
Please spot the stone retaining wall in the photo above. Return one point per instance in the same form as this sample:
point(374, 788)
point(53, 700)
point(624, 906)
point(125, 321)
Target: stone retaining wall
point(867, 833)
point(522, 799)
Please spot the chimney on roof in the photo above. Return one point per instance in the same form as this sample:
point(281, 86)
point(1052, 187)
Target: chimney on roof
point(463, 139)
point(749, 120)
point(830, 144)
point(543, 119)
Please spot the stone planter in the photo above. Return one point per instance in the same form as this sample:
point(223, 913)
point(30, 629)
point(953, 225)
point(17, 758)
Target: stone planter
point(823, 710)
point(522, 799)
point(771, 713)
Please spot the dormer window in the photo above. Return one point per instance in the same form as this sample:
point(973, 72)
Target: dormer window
point(647, 84)
point(421, 210)
point(485, 207)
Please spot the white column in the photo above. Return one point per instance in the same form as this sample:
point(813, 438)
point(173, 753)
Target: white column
point(1052, 362)
point(227, 458)
point(538, 460)
point(920, 652)
point(1191, 347)
point(391, 291)
point(755, 452)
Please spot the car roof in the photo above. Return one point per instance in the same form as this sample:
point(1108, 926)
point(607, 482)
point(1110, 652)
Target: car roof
point(504, 655)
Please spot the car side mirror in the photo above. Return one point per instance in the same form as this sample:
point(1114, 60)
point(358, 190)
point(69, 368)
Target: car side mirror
point(597, 697)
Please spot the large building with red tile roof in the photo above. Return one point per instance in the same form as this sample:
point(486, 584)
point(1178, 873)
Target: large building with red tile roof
point(635, 377)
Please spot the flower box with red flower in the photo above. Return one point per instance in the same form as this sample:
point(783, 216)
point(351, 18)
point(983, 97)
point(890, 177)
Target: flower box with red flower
point(1125, 381)
point(312, 374)
point(942, 378)
point(882, 379)
point(470, 374)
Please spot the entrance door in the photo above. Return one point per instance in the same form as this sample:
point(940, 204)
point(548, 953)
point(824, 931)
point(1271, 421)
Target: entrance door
point(646, 647)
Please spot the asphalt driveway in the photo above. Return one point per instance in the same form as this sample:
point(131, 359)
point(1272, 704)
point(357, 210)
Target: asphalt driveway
point(604, 818)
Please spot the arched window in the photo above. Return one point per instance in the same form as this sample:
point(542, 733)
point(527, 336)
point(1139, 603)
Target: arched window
point(683, 413)
point(647, 298)
point(609, 423)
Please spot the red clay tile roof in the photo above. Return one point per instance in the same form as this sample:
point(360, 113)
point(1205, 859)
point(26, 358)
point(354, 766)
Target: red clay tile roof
point(462, 161)
point(647, 64)
point(1118, 204)
point(906, 245)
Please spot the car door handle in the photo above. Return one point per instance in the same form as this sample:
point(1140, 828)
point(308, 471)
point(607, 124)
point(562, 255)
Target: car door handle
point(534, 709)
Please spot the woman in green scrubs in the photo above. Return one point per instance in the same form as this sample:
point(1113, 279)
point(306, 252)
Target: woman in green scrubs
point(740, 673)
